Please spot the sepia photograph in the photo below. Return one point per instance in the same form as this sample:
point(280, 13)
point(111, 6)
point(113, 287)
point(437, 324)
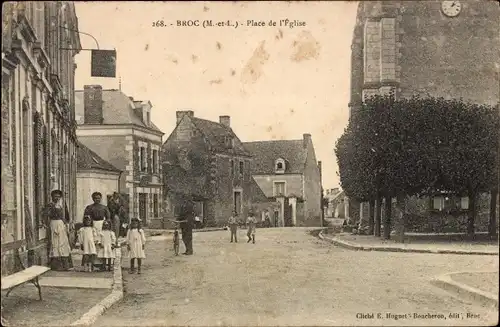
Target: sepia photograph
point(250, 163)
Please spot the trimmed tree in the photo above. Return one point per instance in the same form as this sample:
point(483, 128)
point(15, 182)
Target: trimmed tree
point(415, 146)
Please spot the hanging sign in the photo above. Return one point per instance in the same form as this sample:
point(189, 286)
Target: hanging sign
point(103, 63)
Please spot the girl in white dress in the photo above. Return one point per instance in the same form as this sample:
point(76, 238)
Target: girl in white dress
point(87, 238)
point(135, 245)
point(106, 245)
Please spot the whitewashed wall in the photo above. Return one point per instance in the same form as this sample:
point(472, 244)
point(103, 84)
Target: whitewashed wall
point(89, 182)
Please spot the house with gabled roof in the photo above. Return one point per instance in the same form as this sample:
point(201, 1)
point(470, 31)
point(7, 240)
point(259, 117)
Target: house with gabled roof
point(287, 172)
point(206, 162)
point(119, 130)
point(94, 174)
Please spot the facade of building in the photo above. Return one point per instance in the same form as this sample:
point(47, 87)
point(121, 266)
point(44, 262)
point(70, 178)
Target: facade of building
point(205, 161)
point(336, 205)
point(39, 42)
point(440, 48)
point(287, 172)
point(417, 47)
point(119, 130)
point(94, 173)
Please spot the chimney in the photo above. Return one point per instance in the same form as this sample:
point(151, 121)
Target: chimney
point(181, 113)
point(92, 102)
point(225, 120)
point(307, 139)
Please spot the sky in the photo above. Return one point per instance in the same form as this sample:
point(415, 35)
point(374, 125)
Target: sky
point(276, 82)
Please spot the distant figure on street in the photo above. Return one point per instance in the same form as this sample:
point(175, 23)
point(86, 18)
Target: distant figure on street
point(136, 241)
point(186, 221)
point(267, 219)
point(251, 222)
point(233, 226)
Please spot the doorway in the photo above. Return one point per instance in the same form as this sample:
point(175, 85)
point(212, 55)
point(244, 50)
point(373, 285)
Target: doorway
point(237, 202)
point(287, 214)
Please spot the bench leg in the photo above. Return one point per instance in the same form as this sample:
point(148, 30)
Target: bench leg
point(10, 290)
point(37, 284)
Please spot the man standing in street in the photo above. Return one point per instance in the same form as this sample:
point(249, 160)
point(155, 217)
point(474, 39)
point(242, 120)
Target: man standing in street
point(233, 226)
point(187, 223)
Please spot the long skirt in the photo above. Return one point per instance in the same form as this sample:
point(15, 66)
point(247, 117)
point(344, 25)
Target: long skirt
point(98, 228)
point(60, 250)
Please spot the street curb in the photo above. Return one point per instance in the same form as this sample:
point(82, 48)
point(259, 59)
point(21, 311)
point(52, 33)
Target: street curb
point(116, 295)
point(352, 246)
point(447, 283)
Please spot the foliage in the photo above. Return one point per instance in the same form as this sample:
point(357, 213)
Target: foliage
point(418, 146)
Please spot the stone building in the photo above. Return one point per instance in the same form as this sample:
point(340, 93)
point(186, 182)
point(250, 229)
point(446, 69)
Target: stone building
point(206, 162)
point(94, 173)
point(39, 42)
point(441, 48)
point(287, 172)
point(119, 129)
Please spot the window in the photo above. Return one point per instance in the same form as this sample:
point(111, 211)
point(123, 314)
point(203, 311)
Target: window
point(155, 161)
point(142, 158)
point(464, 203)
point(228, 140)
point(242, 167)
point(155, 206)
point(280, 166)
point(279, 188)
point(451, 202)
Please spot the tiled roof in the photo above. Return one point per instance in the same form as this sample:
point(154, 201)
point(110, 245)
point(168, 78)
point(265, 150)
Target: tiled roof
point(89, 160)
point(117, 109)
point(256, 192)
point(266, 152)
point(216, 133)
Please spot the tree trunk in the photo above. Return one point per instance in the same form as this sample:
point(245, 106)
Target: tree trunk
point(371, 219)
point(492, 226)
point(387, 218)
point(401, 219)
point(472, 214)
point(378, 217)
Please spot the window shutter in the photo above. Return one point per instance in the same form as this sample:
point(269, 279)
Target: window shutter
point(149, 161)
point(137, 163)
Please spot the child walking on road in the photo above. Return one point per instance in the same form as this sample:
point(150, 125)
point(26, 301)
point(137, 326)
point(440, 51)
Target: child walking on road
point(251, 222)
point(233, 226)
point(135, 245)
point(87, 237)
point(106, 245)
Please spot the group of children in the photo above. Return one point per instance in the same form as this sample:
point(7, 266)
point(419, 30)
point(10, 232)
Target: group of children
point(251, 222)
point(101, 244)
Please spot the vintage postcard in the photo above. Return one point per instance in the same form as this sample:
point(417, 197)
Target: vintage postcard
point(250, 163)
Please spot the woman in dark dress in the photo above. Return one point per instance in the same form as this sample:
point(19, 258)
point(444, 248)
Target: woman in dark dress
point(56, 218)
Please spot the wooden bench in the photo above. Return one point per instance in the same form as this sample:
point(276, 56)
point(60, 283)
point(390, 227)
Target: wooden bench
point(25, 275)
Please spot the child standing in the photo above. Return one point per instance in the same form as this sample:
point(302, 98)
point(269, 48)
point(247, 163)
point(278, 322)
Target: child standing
point(251, 222)
point(107, 242)
point(135, 245)
point(233, 226)
point(86, 238)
